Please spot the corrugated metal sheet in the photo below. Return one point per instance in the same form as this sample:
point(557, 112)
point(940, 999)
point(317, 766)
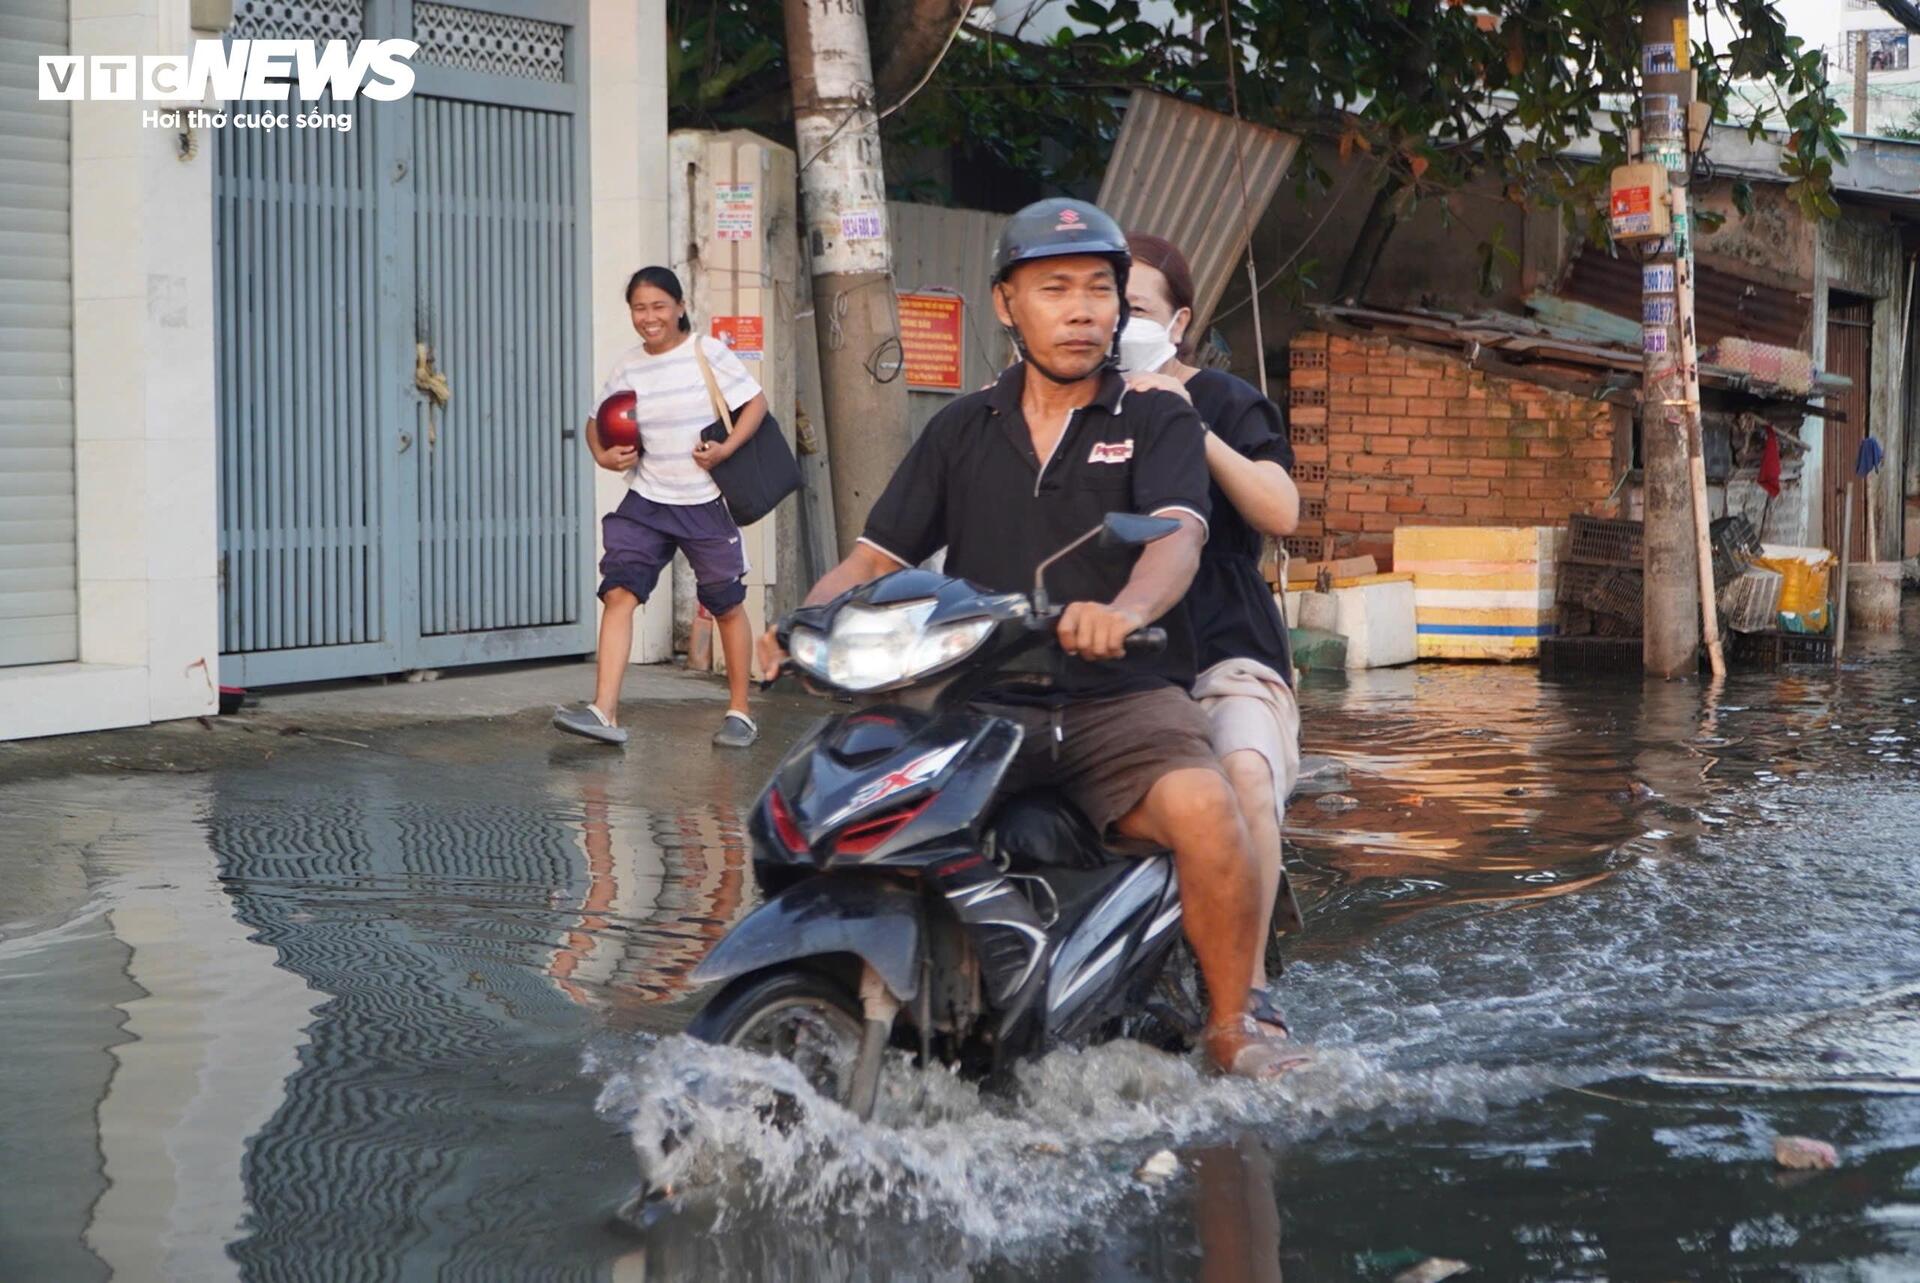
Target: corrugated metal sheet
point(1725, 304)
point(1572, 360)
point(1175, 173)
point(950, 251)
point(39, 616)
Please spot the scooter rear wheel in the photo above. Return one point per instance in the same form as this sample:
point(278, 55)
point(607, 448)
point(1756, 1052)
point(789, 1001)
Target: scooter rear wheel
point(798, 1016)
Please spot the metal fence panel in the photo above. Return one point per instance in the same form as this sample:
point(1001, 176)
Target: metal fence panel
point(499, 520)
point(364, 526)
point(950, 251)
point(299, 468)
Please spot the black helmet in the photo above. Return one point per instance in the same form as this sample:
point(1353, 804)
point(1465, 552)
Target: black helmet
point(1050, 228)
point(1053, 229)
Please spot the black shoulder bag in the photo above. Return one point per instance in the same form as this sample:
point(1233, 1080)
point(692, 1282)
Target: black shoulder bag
point(762, 472)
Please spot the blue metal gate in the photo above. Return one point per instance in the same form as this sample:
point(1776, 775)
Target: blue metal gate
point(403, 353)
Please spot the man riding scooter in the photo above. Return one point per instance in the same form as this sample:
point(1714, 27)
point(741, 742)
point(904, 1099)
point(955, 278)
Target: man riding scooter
point(1004, 477)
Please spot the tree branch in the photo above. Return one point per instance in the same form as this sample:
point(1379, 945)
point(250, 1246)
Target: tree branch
point(908, 37)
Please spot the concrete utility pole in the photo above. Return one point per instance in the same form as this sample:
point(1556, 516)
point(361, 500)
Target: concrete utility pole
point(1858, 124)
point(844, 224)
point(1671, 633)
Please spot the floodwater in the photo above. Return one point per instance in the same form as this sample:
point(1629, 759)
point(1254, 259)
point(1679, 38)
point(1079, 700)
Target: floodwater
point(404, 1008)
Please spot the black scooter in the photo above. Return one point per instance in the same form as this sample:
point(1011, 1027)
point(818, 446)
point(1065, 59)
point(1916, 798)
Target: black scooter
point(908, 902)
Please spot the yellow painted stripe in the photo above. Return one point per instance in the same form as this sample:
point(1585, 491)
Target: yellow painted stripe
point(1367, 581)
point(1474, 543)
point(1496, 579)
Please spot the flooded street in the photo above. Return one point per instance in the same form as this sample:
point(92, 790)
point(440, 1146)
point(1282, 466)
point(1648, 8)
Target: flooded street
point(403, 1006)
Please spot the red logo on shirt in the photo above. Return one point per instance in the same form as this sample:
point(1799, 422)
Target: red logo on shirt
point(1111, 451)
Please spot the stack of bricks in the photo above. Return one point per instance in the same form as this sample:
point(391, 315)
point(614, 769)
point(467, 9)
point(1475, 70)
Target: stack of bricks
point(1386, 435)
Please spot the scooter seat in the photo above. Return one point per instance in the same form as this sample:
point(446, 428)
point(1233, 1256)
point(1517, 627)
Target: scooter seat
point(1039, 830)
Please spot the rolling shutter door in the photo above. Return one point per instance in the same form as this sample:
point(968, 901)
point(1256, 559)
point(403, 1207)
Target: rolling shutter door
point(39, 618)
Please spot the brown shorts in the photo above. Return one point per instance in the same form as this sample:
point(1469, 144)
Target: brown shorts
point(1111, 751)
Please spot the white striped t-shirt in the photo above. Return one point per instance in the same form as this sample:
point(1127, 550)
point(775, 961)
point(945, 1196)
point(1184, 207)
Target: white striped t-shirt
point(673, 406)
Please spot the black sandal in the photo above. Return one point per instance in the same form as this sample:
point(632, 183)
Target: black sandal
point(1262, 1007)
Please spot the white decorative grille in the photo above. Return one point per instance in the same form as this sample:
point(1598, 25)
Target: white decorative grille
point(297, 20)
point(492, 43)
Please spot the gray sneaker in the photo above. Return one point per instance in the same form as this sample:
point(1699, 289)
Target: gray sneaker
point(589, 722)
point(737, 731)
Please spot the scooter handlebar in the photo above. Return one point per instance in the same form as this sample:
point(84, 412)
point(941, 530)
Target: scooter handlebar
point(1147, 641)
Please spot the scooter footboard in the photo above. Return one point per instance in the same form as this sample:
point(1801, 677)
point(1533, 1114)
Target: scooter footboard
point(878, 921)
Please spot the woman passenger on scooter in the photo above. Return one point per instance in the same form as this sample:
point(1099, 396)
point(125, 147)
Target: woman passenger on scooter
point(1245, 665)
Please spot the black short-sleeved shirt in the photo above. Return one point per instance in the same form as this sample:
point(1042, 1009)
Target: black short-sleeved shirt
point(973, 484)
point(1232, 608)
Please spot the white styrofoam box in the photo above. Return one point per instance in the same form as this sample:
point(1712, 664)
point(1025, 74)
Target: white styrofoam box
point(1374, 613)
point(1319, 610)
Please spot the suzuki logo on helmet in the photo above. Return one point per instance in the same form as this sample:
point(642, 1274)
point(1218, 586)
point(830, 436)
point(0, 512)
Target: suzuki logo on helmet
point(1069, 221)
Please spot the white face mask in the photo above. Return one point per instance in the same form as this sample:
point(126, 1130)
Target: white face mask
point(1145, 345)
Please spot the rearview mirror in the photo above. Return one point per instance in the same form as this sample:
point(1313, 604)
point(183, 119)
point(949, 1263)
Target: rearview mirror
point(1131, 530)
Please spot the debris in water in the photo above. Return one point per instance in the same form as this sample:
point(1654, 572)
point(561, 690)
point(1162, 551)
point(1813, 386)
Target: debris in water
point(1046, 1147)
point(1432, 1270)
point(1803, 1154)
point(1161, 1167)
point(1337, 802)
point(1320, 775)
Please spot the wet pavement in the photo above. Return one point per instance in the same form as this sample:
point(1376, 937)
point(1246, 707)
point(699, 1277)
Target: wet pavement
point(398, 1002)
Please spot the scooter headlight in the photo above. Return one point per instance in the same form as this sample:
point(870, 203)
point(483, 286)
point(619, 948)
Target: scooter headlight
point(872, 647)
point(809, 650)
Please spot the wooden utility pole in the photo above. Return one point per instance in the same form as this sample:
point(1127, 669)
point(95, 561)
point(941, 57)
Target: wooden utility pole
point(1670, 398)
point(849, 253)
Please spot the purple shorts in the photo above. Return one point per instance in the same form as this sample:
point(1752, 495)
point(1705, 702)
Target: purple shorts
point(641, 537)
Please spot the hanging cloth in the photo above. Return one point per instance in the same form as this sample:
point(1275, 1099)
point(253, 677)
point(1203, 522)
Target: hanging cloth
point(1870, 458)
point(1770, 465)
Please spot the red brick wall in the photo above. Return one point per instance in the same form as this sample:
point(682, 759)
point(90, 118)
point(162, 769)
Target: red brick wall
point(1388, 435)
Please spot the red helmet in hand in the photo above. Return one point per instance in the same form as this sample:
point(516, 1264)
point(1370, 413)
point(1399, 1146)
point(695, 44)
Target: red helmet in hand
point(618, 420)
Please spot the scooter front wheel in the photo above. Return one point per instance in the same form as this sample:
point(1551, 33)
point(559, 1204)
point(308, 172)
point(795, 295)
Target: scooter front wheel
point(795, 1015)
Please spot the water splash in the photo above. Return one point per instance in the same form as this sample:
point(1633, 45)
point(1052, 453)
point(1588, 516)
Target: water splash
point(1040, 1162)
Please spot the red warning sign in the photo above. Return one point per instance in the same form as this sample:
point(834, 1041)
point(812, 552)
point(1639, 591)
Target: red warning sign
point(746, 335)
point(930, 338)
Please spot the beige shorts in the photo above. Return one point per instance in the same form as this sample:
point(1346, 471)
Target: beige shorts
point(1250, 709)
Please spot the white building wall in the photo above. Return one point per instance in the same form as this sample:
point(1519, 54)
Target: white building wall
point(144, 367)
point(627, 119)
point(1893, 96)
point(143, 414)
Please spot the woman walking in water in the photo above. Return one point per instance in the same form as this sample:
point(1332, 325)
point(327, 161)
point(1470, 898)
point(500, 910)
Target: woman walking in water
point(672, 504)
